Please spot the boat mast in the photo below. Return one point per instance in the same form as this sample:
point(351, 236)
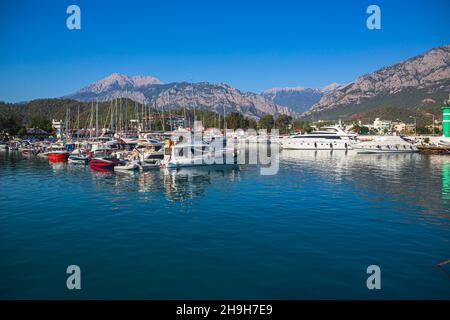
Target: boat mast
point(149, 115)
point(126, 117)
point(91, 120)
point(163, 124)
point(96, 119)
point(120, 115)
point(67, 123)
point(78, 123)
point(112, 116)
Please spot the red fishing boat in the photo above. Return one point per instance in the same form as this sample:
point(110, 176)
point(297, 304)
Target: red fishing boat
point(58, 153)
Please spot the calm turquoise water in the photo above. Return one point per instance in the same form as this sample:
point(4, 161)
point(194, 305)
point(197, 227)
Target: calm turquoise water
point(308, 232)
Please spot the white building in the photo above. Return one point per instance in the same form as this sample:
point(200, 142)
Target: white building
point(58, 126)
point(381, 125)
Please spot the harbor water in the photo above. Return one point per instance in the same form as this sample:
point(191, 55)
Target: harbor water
point(310, 231)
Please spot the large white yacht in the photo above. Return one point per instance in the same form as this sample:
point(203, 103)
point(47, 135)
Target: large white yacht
point(385, 144)
point(328, 138)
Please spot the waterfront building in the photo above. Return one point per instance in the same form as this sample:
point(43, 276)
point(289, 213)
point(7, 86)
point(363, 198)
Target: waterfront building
point(382, 125)
point(57, 125)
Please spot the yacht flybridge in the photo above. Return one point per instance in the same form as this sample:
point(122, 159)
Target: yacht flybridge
point(329, 138)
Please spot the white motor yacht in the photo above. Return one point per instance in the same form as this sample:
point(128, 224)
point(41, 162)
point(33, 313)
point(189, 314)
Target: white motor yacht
point(329, 138)
point(186, 154)
point(385, 144)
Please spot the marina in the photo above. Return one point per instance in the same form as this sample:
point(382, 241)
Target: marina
point(182, 233)
point(224, 159)
point(319, 216)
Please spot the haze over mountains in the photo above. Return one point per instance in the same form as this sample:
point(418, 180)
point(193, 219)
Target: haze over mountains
point(299, 99)
point(421, 81)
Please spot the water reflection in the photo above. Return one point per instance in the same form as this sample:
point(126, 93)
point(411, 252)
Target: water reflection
point(413, 179)
point(444, 163)
point(187, 183)
point(446, 180)
point(409, 179)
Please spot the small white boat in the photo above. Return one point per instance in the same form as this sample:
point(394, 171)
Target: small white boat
point(78, 156)
point(128, 166)
point(385, 144)
point(150, 166)
point(187, 154)
point(78, 159)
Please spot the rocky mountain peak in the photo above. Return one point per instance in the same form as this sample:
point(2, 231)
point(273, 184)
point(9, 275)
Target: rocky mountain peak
point(428, 73)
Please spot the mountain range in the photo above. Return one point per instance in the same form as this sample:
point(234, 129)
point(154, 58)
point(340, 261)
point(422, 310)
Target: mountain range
point(203, 95)
point(420, 82)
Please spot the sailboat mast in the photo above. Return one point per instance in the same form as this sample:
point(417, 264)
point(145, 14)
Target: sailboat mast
point(163, 124)
point(91, 120)
point(112, 116)
point(150, 116)
point(78, 123)
point(126, 117)
point(96, 119)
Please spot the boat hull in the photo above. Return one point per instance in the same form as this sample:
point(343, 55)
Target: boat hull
point(291, 144)
point(27, 152)
point(58, 156)
point(103, 164)
point(126, 168)
point(78, 160)
point(367, 151)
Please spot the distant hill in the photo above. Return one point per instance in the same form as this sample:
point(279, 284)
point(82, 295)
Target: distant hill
point(423, 115)
point(214, 97)
point(419, 82)
point(58, 109)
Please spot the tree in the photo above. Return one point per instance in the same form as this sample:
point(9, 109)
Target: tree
point(356, 128)
point(283, 123)
point(251, 123)
point(364, 130)
point(301, 125)
point(266, 122)
point(235, 120)
point(424, 130)
point(41, 122)
point(11, 124)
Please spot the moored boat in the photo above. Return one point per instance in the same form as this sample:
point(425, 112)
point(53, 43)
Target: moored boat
point(128, 166)
point(27, 151)
point(78, 159)
point(78, 156)
point(103, 163)
point(329, 138)
point(187, 154)
point(385, 144)
point(58, 153)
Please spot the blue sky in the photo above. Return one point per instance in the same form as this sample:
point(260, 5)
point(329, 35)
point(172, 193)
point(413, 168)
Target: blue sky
point(252, 45)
